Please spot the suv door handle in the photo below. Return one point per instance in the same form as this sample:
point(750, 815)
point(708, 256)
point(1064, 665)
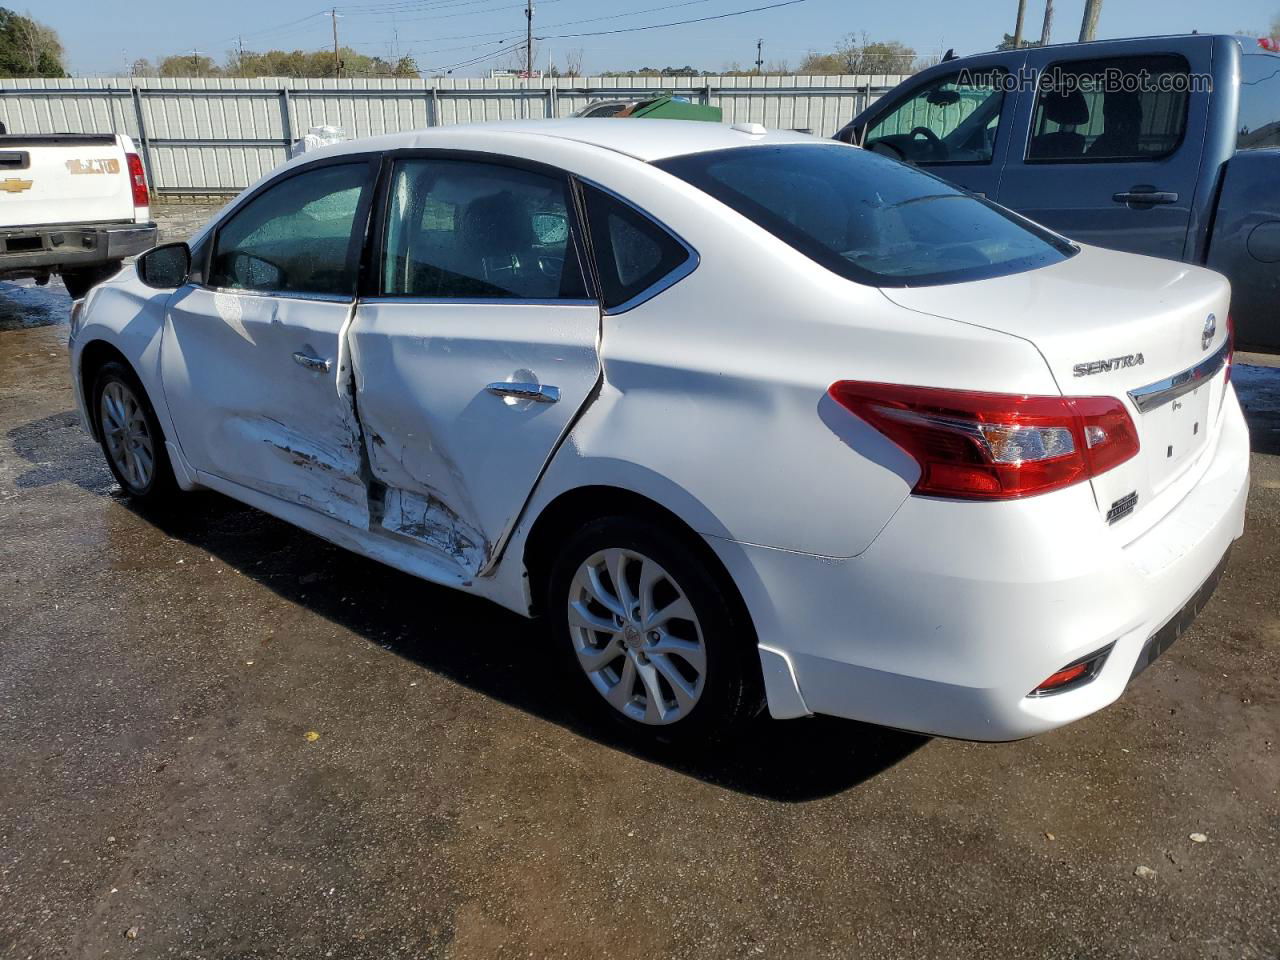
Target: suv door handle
point(1149, 195)
point(537, 392)
point(318, 364)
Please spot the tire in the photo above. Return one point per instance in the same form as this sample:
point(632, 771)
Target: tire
point(711, 653)
point(79, 282)
point(130, 435)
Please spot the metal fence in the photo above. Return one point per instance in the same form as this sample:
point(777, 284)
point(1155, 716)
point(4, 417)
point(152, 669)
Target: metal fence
point(217, 136)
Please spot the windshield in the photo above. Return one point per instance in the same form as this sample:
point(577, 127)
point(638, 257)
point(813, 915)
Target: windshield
point(868, 218)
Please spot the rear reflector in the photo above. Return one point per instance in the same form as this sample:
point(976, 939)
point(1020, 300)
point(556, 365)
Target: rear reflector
point(137, 180)
point(994, 446)
point(1073, 675)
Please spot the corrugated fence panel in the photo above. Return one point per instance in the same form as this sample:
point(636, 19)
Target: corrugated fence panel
point(204, 135)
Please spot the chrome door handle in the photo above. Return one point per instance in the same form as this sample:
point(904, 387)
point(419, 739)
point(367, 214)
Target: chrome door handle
point(537, 392)
point(318, 364)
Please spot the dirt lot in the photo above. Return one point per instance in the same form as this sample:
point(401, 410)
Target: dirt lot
point(160, 678)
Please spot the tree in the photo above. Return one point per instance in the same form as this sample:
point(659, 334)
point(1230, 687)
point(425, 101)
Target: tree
point(573, 63)
point(1007, 43)
point(316, 63)
point(194, 64)
point(28, 48)
point(860, 55)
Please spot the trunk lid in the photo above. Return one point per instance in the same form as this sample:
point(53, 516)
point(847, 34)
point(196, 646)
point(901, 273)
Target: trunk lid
point(1117, 325)
point(63, 178)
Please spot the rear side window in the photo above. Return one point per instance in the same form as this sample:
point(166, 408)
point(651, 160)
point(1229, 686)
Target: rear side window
point(1259, 101)
point(462, 229)
point(634, 255)
point(1109, 111)
point(869, 218)
point(298, 236)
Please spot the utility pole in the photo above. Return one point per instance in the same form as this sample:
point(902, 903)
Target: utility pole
point(1089, 25)
point(759, 55)
point(336, 62)
point(1017, 27)
point(195, 62)
point(240, 59)
point(1047, 29)
point(528, 42)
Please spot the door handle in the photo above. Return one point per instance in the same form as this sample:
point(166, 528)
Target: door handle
point(318, 364)
point(537, 392)
point(1148, 195)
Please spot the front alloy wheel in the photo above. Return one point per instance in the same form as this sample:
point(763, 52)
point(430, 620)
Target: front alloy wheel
point(126, 435)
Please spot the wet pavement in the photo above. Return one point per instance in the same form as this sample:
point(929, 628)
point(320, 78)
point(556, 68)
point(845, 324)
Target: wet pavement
point(161, 677)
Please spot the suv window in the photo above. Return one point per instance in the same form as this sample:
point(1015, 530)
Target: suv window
point(632, 253)
point(869, 218)
point(461, 229)
point(1108, 111)
point(1259, 101)
point(950, 120)
point(296, 237)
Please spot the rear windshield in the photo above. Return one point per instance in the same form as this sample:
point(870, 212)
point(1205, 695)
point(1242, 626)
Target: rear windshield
point(867, 217)
point(1259, 101)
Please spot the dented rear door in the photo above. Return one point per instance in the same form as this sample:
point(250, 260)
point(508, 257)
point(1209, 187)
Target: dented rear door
point(475, 350)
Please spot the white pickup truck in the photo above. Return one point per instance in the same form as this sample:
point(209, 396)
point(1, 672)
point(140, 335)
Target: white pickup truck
point(71, 204)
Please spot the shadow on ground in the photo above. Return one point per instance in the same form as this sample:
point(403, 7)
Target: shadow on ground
point(468, 640)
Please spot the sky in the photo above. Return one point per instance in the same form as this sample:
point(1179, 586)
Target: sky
point(101, 38)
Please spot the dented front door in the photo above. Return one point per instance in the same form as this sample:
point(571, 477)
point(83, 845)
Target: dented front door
point(474, 352)
point(249, 411)
point(254, 358)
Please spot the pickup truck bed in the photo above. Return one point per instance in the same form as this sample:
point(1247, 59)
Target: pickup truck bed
point(71, 204)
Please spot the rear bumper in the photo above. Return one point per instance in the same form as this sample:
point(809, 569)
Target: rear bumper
point(958, 611)
point(60, 247)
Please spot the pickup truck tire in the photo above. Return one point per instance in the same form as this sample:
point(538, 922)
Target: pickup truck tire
point(132, 441)
point(79, 282)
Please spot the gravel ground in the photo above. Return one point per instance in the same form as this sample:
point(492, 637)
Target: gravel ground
point(163, 795)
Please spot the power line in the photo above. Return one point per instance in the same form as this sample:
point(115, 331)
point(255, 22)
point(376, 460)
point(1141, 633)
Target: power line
point(674, 23)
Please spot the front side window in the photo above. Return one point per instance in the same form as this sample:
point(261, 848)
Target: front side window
point(298, 236)
point(952, 119)
point(1259, 101)
point(869, 218)
point(461, 229)
point(1109, 111)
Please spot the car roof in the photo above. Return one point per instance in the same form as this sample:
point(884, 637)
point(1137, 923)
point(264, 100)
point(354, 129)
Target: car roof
point(640, 138)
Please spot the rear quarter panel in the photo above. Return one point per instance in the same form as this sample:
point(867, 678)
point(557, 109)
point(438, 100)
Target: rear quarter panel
point(714, 399)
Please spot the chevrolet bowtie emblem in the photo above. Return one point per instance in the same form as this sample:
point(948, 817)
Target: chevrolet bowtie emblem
point(14, 185)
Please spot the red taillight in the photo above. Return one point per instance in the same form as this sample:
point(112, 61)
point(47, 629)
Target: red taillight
point(137, 180)
point(994, 446)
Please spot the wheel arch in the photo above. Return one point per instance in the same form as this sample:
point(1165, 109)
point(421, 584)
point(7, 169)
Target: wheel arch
point(94, 355)
point(577, 506)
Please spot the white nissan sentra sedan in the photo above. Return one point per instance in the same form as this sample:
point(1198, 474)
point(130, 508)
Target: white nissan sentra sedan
point(752, 418)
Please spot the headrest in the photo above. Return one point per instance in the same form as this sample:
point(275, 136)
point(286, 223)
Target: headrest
point(1066, 109)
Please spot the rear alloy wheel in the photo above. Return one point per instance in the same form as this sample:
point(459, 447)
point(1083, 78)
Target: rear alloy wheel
point(654, 638)
point(637, 637)
point(130, 434)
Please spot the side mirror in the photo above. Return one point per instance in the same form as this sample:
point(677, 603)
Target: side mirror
point(165, 267)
